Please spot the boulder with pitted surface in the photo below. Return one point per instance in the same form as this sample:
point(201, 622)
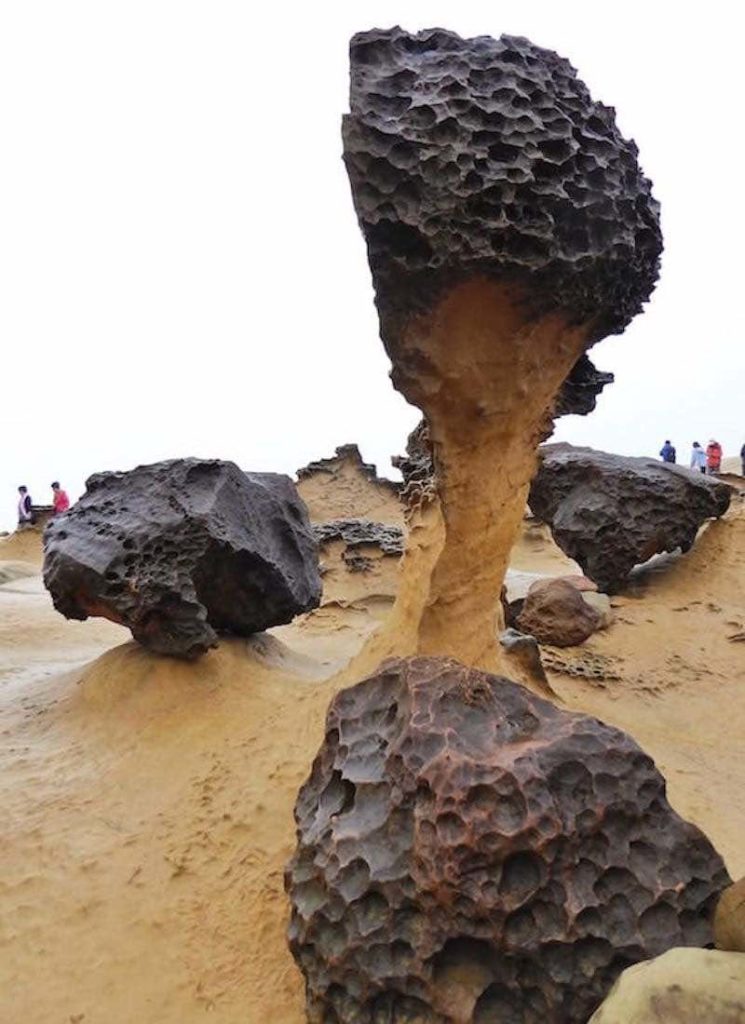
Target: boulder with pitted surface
point(612, 512)
point(181, 551)
point(469, 852)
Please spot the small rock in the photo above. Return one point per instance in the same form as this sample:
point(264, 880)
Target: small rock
point(729, 918)
point(556, 613)
point(683, 986)
point(524, 650)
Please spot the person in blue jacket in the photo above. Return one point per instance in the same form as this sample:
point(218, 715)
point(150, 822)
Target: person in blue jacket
point(667, 452)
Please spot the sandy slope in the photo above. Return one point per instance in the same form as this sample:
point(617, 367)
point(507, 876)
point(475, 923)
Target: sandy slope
point(22, 546)
point(148, 804)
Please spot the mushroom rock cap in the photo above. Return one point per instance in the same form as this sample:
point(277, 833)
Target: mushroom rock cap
point(489, 157)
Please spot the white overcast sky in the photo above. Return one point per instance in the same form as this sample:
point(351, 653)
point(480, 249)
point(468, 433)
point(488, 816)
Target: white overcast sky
point(181, 272)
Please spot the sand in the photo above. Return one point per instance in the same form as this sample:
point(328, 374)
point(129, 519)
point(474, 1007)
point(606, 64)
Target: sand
point(22, 546)
point(148, 803)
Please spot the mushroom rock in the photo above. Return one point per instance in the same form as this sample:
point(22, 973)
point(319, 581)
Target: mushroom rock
point(612, 512)
point(179, 551)
point(508, 228)
point(469, 852)
point(683, 986)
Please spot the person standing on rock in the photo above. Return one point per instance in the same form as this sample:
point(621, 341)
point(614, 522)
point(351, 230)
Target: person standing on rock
point(742, 459)
point(713, 457)
point(25, 508)
point(698, 458)
point(60, 501)
point(667, 452)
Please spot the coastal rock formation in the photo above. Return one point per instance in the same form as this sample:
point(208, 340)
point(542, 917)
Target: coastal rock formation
point(359, 559)
point(612, 512)
point(179, 551)
point(468, 852)
point(683, 986)
point(345, 487)
point(357, 533)
point(524, 659)
point(508, 228)
point(417, 469)
point(579, 392)
point(729, 918)
point(555, 612)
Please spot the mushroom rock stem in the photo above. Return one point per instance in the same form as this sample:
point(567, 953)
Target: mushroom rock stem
point(491, 376)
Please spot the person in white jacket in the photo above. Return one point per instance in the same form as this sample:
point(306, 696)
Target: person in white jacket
point(25, 509)
point(698, 458)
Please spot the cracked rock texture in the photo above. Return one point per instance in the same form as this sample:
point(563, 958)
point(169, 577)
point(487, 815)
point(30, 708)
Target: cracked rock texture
point(468, 853)
point(359, 561)
point(612, 512)
point(179, 551)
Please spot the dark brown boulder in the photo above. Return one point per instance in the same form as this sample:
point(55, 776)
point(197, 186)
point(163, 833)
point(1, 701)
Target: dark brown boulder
point(182, 550)
point(468, 853)
point(612, 512)
point(483, 155)
point(554, 612)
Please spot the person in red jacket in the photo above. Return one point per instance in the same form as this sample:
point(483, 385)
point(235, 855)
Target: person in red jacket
point(59, 499)
point(713, 457)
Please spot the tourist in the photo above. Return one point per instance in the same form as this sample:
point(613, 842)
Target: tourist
point(742, 459)
point(667, 452)
point(25, 508)
point(713, 457)
point(698, 458)
point(60, 501)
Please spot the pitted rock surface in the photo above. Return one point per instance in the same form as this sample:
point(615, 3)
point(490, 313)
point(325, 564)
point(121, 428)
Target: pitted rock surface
point(417, 469)
point(179, 551)
point(359, 532)
point(489, 156)
point(470, 853)
point(579, 392)
point(612, 512)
